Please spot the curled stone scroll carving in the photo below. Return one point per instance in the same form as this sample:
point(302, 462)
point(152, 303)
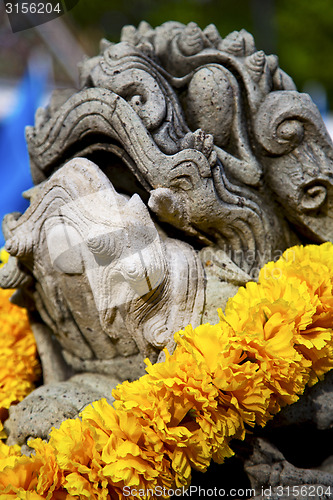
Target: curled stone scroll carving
point(183, 163)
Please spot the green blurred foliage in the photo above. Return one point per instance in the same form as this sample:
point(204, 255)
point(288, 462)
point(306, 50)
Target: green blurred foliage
point(299, 31)
point(305, 41)
point(111, 15)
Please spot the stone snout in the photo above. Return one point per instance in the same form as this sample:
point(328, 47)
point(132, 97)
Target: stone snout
point(108, 285)
point(129, 255)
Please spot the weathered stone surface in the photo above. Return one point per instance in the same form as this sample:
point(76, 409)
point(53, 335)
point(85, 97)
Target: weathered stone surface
point(105, 279)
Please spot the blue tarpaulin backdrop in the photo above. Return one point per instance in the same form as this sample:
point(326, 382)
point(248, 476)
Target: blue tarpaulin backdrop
point(14, 160)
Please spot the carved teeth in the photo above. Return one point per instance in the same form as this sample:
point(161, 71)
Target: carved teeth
point(238, 43)
point(135, 36)
point(191, 40)
point(256, 64)
point(19, 248)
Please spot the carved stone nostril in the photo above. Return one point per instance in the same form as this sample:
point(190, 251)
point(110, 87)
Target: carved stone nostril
point(93, 244)
point(100, 245)
point(136, 100)
point(314, 197)
point(291, 130)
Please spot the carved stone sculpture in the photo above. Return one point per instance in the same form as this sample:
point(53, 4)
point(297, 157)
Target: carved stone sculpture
point(182, 165)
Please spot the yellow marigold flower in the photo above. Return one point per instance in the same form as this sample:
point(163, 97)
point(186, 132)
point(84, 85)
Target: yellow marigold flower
point(188, 420)
point(180, 398)
point(100, 416)
point(21, 494)
point(19, 368)
point(289, 294)
point(3, 434)
point(7, 451)
point(159, 417)
point(313, 266)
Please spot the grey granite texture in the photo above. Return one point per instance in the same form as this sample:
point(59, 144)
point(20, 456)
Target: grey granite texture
point(182, 164)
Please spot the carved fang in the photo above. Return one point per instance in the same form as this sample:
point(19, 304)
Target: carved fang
point(11, 276)
point(104, 44)
point(273, 63)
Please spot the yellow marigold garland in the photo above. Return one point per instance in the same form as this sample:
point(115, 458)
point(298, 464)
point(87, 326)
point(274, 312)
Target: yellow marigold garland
point(274, 338)
point(19, 367)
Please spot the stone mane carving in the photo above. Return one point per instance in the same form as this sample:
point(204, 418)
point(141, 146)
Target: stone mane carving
point(184, 162)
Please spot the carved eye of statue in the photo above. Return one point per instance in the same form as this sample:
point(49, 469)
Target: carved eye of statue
point(314, 197)
point(292, 132)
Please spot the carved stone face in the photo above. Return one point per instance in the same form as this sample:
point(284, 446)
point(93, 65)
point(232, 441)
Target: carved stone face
point(216, 141)
point(297, 153)
point(121, 240)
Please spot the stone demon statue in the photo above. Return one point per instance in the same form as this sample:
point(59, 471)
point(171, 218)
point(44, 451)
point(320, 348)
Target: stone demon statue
point(182, 165)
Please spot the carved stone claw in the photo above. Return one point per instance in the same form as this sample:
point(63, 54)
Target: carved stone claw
point(191, 40)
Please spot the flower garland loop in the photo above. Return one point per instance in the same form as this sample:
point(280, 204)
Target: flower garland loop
point(274, 338)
